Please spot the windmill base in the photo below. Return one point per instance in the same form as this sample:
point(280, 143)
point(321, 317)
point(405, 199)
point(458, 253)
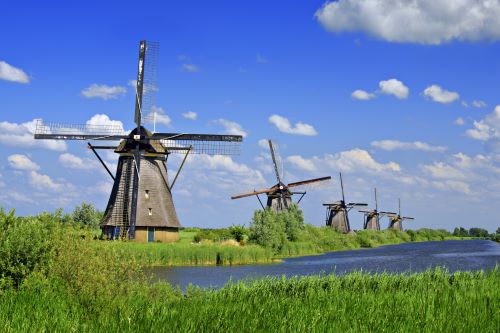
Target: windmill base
point(146, 234)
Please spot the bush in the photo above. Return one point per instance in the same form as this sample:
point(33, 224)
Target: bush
point(87, 215)
point(238, 232)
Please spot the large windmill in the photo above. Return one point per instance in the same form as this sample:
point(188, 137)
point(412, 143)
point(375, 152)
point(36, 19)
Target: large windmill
point(396, 220)
point(337, 213)
point(279, 196)
point(140, 206)
point(372, 217)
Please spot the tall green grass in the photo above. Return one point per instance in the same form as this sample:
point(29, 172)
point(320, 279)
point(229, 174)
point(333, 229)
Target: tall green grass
point(433, 301)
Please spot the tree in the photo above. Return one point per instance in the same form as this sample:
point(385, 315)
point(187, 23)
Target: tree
point(87, 215)
point(478, 232)
point(460, 232)
point(498, 231)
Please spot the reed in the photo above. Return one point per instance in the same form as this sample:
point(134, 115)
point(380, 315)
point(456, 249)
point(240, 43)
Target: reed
point(433, 301)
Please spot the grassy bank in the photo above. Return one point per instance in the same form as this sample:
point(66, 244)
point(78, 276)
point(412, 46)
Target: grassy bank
point(434, 301)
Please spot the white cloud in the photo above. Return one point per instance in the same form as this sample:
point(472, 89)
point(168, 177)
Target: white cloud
point(259, 58)
point(301, 162)
point(190, 115)
point(438, 94)
point(479, 104)
point(22, 135)
point(401, 145)
point(11, 73)
point(443, 171)
point(459, 121)
point(423, 21)
point(362, 95)
point(488, 128)
point(452, 185)
point(158, 114)
point(394, 87)
point(191, 68)
point(102, 120)
point(103, 91)
point(284, 125)
point(71, 161)
point(231, 127)
point(22, 162)
point(44, 182)
point(354, 160)
point(263, 143)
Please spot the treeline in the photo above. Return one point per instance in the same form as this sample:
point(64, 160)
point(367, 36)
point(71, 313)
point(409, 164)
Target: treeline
point(476, 232)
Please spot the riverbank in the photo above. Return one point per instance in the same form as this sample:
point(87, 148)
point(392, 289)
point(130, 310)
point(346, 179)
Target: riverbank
point(313, 241)
point(433, 301)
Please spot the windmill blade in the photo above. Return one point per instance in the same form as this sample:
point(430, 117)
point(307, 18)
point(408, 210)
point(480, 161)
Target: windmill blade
point(366, 211)
point(244, 195)
point(407, 218)
point(200, 143)
point(275, 163)
point(388, 213)
point(356, 204)
point(309, 181)
point(63, 131)
point(149, 111)
point(342, 186)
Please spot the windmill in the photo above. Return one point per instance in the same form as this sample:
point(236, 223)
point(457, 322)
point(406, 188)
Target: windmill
point(140, 206)
point(372, 217)
point(279, 196)
point(337, 213)
point(396, 220)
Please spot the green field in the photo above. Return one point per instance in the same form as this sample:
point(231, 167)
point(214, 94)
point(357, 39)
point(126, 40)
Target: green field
point(434, 301)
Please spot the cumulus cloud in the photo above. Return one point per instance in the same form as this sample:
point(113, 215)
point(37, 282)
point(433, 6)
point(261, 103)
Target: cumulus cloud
point(479, 104)
point(103, 91)
point(394, 87)
point(263, 143)
point(13, 74)
point(22, 162)
point(362, 95)
point(439, 95)
point(354, 160)
point(71, 161)
point(443, 171)
point(401, 145)
point(231, 127)
point(158, 115)
point(191, 68)
point(22, 136)
point(190, 115)
point(284, 125)
point(423, 21)
point(459, 121)
point(100, 120)
point(44, 182)
point(488, 128)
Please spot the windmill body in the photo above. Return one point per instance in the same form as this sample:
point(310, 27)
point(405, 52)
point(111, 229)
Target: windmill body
point(338, 217)
point(279, 196)
point(141, 206)
point(337, 213)
point(372, 217)
point(396, 220)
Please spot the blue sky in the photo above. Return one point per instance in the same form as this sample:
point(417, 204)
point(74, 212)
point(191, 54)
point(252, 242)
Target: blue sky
point(395, 95)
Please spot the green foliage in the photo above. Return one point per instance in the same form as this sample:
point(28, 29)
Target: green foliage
point(432, 301)
point(478, 232)
point(238, 232)
point(87, 215)
point(460, 232)
point(498, 231)
point(214, 235)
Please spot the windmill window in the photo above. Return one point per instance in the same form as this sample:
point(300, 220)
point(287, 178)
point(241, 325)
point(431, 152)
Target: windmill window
point(150, 211)
point(146, 194)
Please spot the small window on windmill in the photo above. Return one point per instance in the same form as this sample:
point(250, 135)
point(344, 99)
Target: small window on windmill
point(150, 211)
point(146, 194)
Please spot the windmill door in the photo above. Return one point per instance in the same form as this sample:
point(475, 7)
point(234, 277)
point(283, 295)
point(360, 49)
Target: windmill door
point(151, 234)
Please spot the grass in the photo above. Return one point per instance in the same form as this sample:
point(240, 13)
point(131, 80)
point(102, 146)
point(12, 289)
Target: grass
point(433, 301)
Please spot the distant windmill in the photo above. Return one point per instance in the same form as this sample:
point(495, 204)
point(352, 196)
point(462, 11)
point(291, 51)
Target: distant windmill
point(279, 197)
point(140, 206)
point(396, 220)
point(337, 213)
point(372, 217)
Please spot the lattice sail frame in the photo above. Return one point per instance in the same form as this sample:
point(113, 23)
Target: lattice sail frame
point(150, 87)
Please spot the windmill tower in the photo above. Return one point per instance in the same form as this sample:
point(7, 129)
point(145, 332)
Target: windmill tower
point(337, 213)
point(279, 196)
point(372, 217)
point(140, 206)
point(396, 220)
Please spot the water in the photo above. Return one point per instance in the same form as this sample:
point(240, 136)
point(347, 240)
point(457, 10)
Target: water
point(408, 257)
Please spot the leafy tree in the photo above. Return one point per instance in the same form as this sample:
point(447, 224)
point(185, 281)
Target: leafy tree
point(87, 215)
point(294, 222)
point(460, 232)
point(238, 232)
point(498, 231)
point(478, 232)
